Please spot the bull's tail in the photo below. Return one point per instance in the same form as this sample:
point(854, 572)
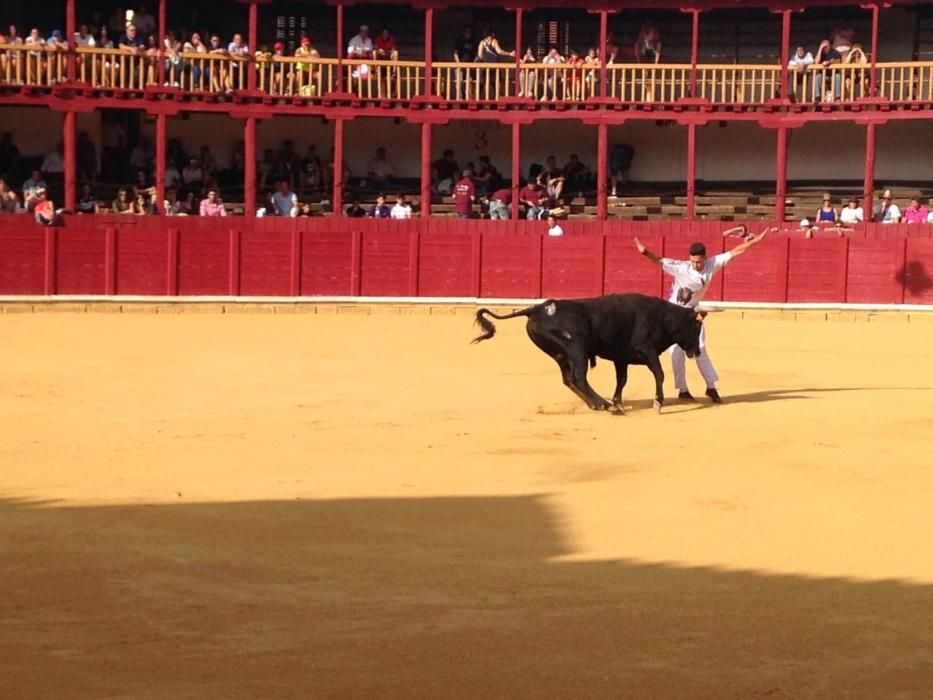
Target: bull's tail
point(489, 330)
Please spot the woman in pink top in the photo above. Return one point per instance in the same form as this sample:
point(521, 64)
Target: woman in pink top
point(915, 214)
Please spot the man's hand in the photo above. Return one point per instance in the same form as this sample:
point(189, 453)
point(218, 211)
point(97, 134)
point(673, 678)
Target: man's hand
point(641, 247)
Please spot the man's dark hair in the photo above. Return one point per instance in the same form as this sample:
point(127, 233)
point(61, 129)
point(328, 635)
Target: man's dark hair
point(698, 249)
point(448, 152)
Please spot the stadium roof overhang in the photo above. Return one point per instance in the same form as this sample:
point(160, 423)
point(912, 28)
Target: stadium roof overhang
point(622, 5)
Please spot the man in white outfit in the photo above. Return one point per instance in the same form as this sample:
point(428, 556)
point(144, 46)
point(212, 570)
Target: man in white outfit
point(691, 280)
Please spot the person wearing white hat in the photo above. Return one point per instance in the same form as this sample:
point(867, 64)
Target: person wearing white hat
point(887, 212)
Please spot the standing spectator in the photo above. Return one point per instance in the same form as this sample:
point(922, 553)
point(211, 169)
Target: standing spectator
point(532, 197)
point(355, 211)
point(208, 166)
point(443, 171)
point(553, 179)
point(212, 205)
point(553, 78)
point(113, 143)
point(53, 163)
point(122, 204)
point(488, 49)
point(826, 57)
point(131, 40)
point(553, 228)
point(385, 46)
point(915, 213)
point(218, 74)
point(529, 77)
point(500, 205)
point(104, 42)
point(464, 52)
point(620, 162)
point(266, 169)
point(142, 156)
point(380, 169)
point(576, 175)
point(87, 202)
point(9, 154)
point(172, 176)
point(86, 157)
point(306, 74)
point(798, 64)
point(487, 178)
point(852, 213)
point(144, 21)
point(288, 165)
point(379, 210)
point(887, 212)
point(192, 177)
point(200, 70)
point(328, 172)
point(402, 209)
point(827, 213)
point(284, 201)
point(174, 61)
point(361, 45)
point(464, 194)
point(310, 170)
point(239, 54)
point(83, 37)
point(648, 44)
point(44, 210)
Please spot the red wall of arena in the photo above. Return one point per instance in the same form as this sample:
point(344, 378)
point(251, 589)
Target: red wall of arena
point(446, 258)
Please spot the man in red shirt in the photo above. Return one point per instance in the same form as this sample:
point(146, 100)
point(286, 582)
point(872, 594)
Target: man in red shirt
point(531, 197)
point(385, 46)
point(464, 193)
point(500, 204)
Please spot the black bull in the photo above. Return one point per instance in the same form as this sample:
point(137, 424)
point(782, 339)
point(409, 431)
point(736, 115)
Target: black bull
point(627, 329)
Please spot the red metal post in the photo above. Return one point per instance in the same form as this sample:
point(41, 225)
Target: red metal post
point(691, 170)
point(70, 66)
point(338, 166)
point(785, 54)
point(253, 38)
point(781, 175)
point(516, 167)
point(602, 170)
point(875, 16)
point(428, 53)
point(339, 65)
point(249, 166)
point(162, 29)
point(694, 51)
point(425, 170)
point(603, 50)
point(868, 189)
point(160, 152)
point(519, 13)
point(71, 161)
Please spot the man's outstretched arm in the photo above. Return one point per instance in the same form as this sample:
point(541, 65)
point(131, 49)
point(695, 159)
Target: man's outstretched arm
point(743, 248)
point(647, 253)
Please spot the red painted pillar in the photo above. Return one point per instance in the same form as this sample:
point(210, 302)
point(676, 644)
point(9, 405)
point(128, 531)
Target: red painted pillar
point(425, 170)
point(602, 171)
point(781, 175)
point(691, 170)
point(339, 61)
point(71, 161)
point(428, 54)
point(253, 38)
point(516, 167)
point(603, 51)
point(249, 166)
point(338, 166)
point(868, 189)
point(519, 14)
point(875, 16)
point(162, 29)
point(785, 54)
point(71, 65)
point(694, 51)
point(160, 151)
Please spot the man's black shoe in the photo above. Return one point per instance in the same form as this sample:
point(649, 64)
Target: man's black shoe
point(685, 396)
point(714, 395)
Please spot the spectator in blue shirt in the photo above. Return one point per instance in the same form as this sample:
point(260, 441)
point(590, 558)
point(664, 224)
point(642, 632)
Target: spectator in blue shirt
point(379, 210)
point(284, 201)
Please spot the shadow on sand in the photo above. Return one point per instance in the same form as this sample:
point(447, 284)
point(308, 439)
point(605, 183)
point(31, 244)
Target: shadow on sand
point(441, 597)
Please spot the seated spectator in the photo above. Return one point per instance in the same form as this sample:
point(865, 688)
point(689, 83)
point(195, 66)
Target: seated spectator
point(385, 48)
point(529, 78)
point(553, 228)
point(131, 40)
point(915, 213)
point(355, 211)
point(56, 42)
point(852, 213)
point(464, 193)
point(87, 202)
point(212, 205)
point(310, 170)
point(9, 202)
point(379, 210)
point(34, 182)
point(192, 177)
point(592, 64)
point(620, 162)
point(217, 78)
point(827, 213)
point(104, 42)
point(284, 201)
point(553, 179)
point(142, 180)
point(887, 212)
point(576, 175)
point(44, 210)
point(553, 79)
point(361, 45)
point(122, 204)
point(200, 69)
point(532, 196)
point(402, 209)
point(648, 44)
point(488, 49)
point(190, 206)
point(380, 169)
point(303, 80)
point(171, 206)
point(487, 178)
point(500, 205)
point(141, 205)
point(442, 172)
point(174, 61)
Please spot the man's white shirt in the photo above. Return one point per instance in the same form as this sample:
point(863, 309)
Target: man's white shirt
point(689, 284)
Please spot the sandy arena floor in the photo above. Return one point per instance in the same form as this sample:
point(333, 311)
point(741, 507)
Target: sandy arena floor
point(365, 506)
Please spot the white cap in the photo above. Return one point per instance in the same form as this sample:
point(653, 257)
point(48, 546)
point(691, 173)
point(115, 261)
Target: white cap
point(804, 223)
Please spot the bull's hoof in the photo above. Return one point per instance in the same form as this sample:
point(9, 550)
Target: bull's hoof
point(616, 409)
point(657, 405)
point(601, 406)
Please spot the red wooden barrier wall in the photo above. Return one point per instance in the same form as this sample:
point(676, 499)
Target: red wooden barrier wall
point(446, 257)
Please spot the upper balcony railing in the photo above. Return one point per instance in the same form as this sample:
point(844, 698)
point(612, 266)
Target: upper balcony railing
point(633, 83)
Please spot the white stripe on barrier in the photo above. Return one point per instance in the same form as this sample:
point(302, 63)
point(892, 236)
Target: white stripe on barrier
point(473, 301)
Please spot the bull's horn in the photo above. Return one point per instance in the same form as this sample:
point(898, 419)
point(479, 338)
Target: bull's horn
point(706, 310)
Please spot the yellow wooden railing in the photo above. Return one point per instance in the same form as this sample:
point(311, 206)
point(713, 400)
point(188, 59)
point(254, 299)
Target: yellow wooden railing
point(470, 82)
